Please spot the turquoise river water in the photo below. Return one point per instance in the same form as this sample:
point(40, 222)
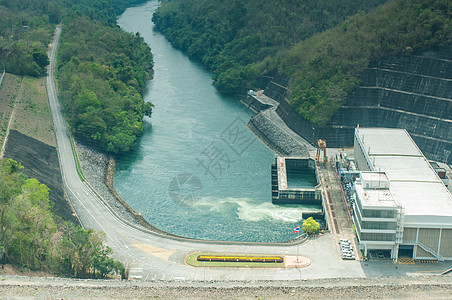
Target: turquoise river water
point(199, 171)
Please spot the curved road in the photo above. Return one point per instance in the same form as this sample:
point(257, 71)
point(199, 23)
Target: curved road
point(153, 257)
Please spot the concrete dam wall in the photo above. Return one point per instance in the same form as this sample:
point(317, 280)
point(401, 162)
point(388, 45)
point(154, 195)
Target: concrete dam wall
point(410, 92)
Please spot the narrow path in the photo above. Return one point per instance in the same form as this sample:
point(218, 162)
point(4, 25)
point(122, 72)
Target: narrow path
point(1, 77)
point(11, 117)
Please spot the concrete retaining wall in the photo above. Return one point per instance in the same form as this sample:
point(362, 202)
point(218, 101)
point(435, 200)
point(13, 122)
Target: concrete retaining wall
point(411, 92)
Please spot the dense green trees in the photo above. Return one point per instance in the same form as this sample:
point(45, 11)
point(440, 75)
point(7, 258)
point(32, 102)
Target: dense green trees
point(325, 68)
point(102, 73)
point(102, 70)
point(33, 237)
point(23, 40)
point(230, 36)
point(240, 40)
point(310, 226)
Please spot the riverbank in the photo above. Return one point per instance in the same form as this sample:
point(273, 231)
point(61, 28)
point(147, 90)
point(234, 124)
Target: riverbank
point(99, 170)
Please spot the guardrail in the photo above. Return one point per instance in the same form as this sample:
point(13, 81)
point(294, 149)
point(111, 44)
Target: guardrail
point(77, 162)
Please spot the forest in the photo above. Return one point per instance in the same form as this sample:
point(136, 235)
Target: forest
point(102, 73)
point(101, 69)
point(101, 77)
point(323, 46)
point(33, 237)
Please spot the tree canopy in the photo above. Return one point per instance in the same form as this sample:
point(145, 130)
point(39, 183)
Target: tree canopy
point(26, 27)
point(102, 74)
point(229, 37)
point(326, 67)
point(33, 237)
point(322, 46)
point(102, 70)
point(310, 226)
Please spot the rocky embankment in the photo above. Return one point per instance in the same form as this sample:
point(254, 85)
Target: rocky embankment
point(98, 168)
point(272, 130)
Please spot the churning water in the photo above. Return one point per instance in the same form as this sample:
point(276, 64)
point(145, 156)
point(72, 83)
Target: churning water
point(199, 171)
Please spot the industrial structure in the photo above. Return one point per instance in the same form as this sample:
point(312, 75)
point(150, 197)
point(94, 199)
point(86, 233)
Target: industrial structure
point(283, 193)
point(321, 147)
point(401, 207)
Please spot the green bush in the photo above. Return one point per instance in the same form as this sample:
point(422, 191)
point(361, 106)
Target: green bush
point(33, 237)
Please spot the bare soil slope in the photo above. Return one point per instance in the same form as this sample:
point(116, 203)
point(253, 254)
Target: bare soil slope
point(8, 93)
point(41, 162)
point(32, 114)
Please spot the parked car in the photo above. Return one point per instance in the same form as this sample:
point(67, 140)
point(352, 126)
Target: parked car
point(351, 257)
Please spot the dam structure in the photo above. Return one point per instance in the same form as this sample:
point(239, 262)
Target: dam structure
point(410, 92)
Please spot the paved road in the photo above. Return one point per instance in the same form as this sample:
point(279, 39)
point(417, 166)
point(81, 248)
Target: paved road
point(153, 257)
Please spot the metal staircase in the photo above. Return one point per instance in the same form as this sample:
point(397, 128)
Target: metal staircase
point(430, 250)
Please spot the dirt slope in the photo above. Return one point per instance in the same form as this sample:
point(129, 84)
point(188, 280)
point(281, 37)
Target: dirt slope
point(41, 162)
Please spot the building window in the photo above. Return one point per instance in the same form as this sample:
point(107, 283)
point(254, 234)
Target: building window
point(379, 225)
point(377, 236)
point(371, 213)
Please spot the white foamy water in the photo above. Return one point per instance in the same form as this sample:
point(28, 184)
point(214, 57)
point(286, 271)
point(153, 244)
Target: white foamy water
point(253, 211)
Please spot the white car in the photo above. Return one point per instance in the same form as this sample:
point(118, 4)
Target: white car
point(348, 257)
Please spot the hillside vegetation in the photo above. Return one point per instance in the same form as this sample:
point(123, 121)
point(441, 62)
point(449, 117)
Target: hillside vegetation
point(26, 27)
point(326, 67)
point(102, 70)
point(230, 36)
point(102, 73)
point(31, 236)
point(322, 46)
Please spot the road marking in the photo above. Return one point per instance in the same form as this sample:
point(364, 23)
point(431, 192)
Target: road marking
point(146, 277)
point(406, 261)
point(163, 277)
point(153, 279)
point(179, 278)
point(155, 251)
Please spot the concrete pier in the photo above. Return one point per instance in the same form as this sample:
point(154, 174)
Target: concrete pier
point(283, 193)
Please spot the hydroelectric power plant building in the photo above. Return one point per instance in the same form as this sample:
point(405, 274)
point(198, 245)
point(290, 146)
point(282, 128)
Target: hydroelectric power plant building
point(402, 206)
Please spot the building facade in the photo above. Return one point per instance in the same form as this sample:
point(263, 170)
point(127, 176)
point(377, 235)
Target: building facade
point(402, 207)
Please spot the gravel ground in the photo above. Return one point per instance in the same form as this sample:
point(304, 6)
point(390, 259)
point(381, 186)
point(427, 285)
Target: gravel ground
point(428, 287)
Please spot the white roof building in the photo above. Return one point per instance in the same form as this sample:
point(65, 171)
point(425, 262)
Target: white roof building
point(411, 186)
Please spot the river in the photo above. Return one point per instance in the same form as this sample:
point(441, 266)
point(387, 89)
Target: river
point(198, 171)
